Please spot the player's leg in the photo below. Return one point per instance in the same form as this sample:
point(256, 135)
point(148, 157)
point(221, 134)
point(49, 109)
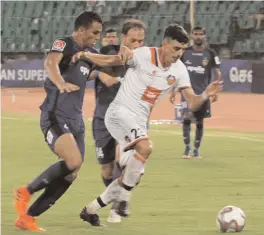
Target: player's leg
point(63, 143)
point(58, 187)
point(198, 136)
point(105, 150)
point(203, 112)
point(114, 190)
point(186, 130)
point(124, 129)
point(136, 149)
point(134, 168)
point(113, 150)
point(106, 158)
point(117, 170)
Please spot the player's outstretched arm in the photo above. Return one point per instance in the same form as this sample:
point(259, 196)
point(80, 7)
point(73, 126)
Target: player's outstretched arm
point(195, 101)
point(100, 60)
point(51, 65)
point(104, 60)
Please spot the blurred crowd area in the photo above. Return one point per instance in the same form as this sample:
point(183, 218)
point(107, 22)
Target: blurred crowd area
point(234, 29)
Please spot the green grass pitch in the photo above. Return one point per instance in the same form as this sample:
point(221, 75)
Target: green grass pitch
point(176, 196)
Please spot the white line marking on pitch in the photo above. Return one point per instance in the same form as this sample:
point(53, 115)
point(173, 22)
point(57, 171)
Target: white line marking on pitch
point(212, 135)
point(164, 131)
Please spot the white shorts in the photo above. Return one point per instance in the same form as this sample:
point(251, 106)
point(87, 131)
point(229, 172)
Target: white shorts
point(124, 126)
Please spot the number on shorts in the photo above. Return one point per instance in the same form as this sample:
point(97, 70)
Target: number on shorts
point(99, 152)
point(49, 137)
point(135, 133)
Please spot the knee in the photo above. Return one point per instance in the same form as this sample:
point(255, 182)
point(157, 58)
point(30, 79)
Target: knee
point(199, 124)
point(75, 162)
point(71, 177)
point(144, 148)
point(186, 122)
point(107, 170)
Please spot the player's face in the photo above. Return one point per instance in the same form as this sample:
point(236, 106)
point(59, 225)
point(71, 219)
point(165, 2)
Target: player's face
point(172, 50)
point(104, 42)
point(198, 37)
point(91, 34)
point(134, 38)
point(111, 38)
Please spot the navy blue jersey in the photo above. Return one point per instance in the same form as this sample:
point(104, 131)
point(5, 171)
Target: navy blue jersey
point(68, 105)
point(199, 66)
point(105, 95)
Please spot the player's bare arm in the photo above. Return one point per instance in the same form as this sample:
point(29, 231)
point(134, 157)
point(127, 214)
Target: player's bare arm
point(195, 101)
point(105, 60)
point(51, 65)
point(218, 77)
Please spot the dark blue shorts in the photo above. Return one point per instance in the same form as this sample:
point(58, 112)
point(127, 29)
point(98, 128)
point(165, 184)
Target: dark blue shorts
point(53, 126)
point(105, 144)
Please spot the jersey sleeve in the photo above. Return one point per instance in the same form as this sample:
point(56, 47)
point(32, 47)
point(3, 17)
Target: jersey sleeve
point(62, 45)
point(215, 61)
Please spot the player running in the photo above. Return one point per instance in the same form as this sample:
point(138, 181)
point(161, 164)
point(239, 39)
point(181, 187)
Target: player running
point(153, 73)
point(61, 118)
point(106, 88)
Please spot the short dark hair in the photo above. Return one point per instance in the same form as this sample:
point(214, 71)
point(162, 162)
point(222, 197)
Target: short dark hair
point(132, 23)
point(86, 19)
point(199, 28)
point(176, 32)
point(111, 30)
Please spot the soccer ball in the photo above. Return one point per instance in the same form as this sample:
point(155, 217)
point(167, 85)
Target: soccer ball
point(230, 219)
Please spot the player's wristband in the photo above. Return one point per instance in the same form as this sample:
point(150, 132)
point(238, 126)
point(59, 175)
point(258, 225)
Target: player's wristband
point(204, 96)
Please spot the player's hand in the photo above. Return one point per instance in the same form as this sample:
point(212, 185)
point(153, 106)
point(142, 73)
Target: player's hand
point(77, 56)
point(214, 88)
point(125, 54)
point(213, 98)
point(68, 87)
point(172, 99)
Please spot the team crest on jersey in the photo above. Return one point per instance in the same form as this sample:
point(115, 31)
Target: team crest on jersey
point(58, 45)
point(171, 80)
point(205, 61)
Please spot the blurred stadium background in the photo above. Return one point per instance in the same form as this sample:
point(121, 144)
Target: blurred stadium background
point(234, 29)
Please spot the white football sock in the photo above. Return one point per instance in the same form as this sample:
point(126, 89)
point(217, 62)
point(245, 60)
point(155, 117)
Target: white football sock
point(110, 194)
point(133, 170)
point(131, 175)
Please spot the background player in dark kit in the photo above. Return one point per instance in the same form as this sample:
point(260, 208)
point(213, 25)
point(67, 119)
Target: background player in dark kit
point(61, 116)
point(111, 37)
point(200, 61)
